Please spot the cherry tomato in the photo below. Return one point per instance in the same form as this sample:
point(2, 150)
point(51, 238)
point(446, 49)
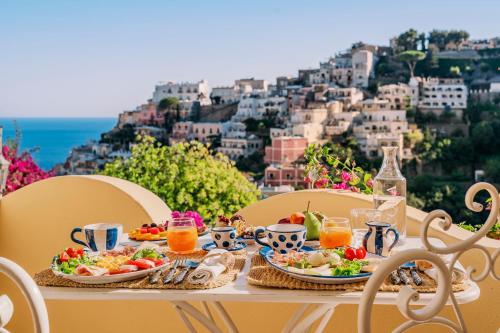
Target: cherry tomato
point(349, 253)
point(80, 251)
point(360, 253)
point(63, 256)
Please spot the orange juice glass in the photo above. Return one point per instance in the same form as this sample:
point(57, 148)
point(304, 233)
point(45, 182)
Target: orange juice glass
point(182, 235)
point(335, 232)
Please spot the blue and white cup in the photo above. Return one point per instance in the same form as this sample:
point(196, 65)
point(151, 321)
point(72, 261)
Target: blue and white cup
point(99, 236)
point(283, 237)
point(224, 237)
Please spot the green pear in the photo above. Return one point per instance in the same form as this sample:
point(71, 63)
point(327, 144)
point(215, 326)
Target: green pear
point(313, 226)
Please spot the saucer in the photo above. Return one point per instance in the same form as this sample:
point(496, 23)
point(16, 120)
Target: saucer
point(211, 246)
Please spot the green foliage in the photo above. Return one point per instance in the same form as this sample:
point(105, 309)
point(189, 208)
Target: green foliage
point(492, 169)
point(408, 40)
point(455, 70)
point(119, 137)
point(442, 37)
point(411, 58)
point(187, 177)
point(168, 103)
point(328, 169)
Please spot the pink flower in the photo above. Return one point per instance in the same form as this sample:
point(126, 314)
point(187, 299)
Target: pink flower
point(321, 183)
point(341, 186)
point(369, 183)
point(346, 177)
point(307, 179)
point(194, 215)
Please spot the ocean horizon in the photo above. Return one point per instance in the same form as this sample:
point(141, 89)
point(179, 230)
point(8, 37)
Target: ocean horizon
point(52, 139)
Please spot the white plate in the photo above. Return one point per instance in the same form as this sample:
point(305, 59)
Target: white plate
point(110, 278)
point(267, 254)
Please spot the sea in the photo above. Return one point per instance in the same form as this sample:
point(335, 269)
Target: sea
point(51, 139)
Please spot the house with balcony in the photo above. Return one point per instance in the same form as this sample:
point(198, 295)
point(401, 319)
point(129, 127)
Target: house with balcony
point(257, 106)
point(244, 146)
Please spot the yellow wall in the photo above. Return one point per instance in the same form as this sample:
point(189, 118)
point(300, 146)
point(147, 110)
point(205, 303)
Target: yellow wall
point(35, 223)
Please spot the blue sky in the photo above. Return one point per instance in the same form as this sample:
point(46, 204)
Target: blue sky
point(97, 58)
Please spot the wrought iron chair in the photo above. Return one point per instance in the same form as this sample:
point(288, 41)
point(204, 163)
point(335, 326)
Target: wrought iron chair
point(30, 291)
point(444, 293)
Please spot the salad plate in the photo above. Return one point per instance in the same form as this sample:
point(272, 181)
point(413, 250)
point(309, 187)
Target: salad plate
point(332, 267)
point(125, 264)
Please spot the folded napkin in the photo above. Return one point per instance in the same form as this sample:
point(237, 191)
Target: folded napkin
point(215, 263)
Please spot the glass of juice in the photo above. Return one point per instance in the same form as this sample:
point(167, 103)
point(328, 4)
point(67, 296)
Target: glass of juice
point(335, 232)
point(182, 235)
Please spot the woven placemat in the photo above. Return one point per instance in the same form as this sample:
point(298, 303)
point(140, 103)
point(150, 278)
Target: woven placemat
point(263, 275)
point(47, 279)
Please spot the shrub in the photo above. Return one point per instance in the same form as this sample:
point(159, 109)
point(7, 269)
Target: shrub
point(187, 177)
point(22, 169)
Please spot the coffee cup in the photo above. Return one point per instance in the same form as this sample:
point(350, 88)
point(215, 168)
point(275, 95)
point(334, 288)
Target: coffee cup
point(99, 236)
point(224, 237)
point(283, 237)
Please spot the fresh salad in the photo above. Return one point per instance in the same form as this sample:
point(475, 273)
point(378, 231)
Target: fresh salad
point(335, 262)
point(76, 261)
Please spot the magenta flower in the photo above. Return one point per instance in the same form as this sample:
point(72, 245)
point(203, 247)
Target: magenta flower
point(346, 177)
point(341, 186)
point(22, 170)
point(192, 214)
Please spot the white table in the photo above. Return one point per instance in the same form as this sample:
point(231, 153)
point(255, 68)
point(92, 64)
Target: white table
point(323, 302)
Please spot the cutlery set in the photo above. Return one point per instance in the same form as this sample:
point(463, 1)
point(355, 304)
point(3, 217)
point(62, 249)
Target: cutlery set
point(399, 276)
point(184, 264)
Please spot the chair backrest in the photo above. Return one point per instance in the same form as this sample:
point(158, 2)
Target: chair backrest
point(429, 313)
point(30, 291)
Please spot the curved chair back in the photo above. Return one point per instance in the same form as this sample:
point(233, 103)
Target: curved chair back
point(30, 290)
point(430, 313)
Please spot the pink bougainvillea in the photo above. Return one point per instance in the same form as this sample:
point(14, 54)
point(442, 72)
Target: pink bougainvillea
point(194, 215)
point(22, 170)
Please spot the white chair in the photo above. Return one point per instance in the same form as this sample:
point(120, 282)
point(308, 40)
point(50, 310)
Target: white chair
point(30, 291)
point(444, 294)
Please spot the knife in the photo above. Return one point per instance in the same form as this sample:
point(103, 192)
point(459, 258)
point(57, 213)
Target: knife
point(155, 276)
point(170, 275)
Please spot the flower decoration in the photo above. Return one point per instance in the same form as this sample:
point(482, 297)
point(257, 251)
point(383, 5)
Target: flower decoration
point(192, 214)
point(22, 170)
point(326, 170)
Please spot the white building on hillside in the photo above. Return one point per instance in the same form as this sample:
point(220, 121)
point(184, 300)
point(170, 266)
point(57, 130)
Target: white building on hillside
point(184, 91)
point(439, 94)
point(399, 95)
point(223, 95)
point(309, 123)
point(250, 85)
point(258, 105)
point(362, 65)
point(348, 96)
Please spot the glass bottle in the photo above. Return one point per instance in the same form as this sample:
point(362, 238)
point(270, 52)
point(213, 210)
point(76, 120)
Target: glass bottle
point(389, 192)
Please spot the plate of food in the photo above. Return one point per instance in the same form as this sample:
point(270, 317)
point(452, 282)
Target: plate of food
point(336, 266)
point(124, 264)
point(149, 232)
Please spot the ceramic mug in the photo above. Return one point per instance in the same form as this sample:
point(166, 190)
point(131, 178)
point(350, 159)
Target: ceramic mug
point(283, 237)
point(376, 241)
point(99, 236)
point(224, 237)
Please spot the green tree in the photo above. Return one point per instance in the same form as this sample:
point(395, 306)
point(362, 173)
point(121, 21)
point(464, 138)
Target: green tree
point(411, 58)
point(492, 169)
point(187, 177)
point(455, 71)
point(408, 40)
point(169, 103)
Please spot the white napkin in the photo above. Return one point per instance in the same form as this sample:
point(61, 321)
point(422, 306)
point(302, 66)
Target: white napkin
point(215, 262)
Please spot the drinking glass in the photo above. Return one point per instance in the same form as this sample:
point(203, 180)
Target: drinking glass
point(182, 234)
point(335, 232)
point(359, 217)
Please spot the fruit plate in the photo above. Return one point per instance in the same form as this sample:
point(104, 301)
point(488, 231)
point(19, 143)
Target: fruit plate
point(268, 253)
point(110, 278)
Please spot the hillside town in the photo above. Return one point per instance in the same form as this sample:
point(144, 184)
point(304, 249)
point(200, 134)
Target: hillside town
point(366, 94)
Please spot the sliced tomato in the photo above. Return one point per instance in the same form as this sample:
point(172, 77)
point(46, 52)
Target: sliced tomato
point(157, 262)
point(80, 251)
point(141, 264)
point(72, 252)
point(64, 256)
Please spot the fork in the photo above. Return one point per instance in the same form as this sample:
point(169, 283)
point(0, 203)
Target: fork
point(182, 274)
point(168, 278)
